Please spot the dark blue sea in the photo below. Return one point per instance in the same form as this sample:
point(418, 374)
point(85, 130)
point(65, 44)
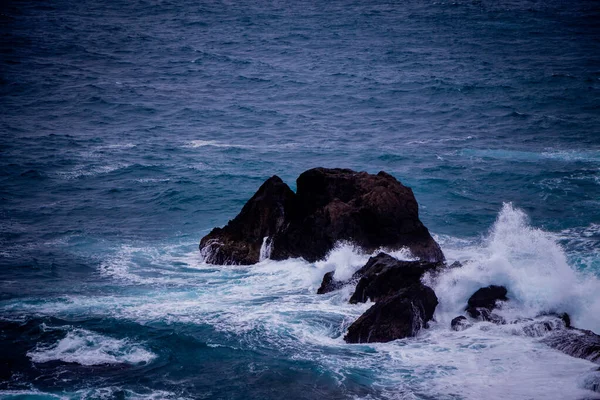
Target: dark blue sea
point(129, 129)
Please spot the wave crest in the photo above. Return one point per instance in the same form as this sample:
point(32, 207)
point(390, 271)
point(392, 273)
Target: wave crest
point(531, 264)
point(88, 348)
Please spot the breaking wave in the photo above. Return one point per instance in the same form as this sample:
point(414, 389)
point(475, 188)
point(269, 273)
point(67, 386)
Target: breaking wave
point(530, 263)
point(88, 348)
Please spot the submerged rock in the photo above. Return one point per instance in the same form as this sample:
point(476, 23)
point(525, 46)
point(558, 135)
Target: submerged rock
point(395, 317)
point(460, 323)
point(330, 205)
point(542, 325)
point(383, 275)
point(484, 300)
point(578, 343)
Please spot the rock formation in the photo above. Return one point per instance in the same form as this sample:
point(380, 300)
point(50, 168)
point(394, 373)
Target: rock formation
point(403, 304)
point(555, 330)
point(398, 316)
point(383, 275)
point(330, 205)
point(329, 284)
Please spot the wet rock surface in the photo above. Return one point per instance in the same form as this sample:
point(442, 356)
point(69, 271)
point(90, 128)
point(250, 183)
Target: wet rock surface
point(575, 342)
point(553, 329)
point(383, 275)
point(240, 241)
point(484, 300)
point(403, 304)
point(330, 205)
point(395, 317)
point(330, 284)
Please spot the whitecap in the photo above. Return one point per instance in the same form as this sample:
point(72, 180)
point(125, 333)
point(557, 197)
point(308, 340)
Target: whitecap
point(113, 392)
point(87, 348)
point(215, 143)
point(87, 170)
point(30, 394)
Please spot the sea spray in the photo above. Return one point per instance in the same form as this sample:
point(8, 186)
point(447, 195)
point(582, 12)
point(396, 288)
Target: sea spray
point(530, 263)
point(273, 306)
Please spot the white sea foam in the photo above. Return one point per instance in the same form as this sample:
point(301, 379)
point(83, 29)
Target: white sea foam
point(113, 392)
point(30, 395)
point(344, 259)
point(273, 304)
point(531, 156)
point(90, 170)
point(441, 140)
point(215, 143)
point(265, 249)
point(89, 348)
point(107, 393)
point(532, 266)
point(117, 146)
point(152, 180)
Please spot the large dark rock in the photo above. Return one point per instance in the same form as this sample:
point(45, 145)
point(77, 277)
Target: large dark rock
point(395, 317)
point(383, 275)
point(240, 241)
point(371, 211)
point(484, 300)
point(330, 205)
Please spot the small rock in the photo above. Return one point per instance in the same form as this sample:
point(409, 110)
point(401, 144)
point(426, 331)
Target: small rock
point(460, 323)
point(483, 301)
point(240, 241)
point(329, 284)
point(544, 324)
point(578, 343)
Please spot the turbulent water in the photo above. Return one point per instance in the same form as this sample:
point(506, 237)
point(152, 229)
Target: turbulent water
point(129, 129)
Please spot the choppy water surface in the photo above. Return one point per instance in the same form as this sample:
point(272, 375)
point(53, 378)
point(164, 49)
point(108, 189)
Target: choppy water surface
point(129, 129)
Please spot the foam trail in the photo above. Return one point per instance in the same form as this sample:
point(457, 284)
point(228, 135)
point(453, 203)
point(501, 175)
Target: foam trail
point(532, 266)
point(87, 348)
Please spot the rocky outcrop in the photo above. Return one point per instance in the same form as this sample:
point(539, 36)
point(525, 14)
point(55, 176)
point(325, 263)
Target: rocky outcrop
point(395, 317)
point(240, 241)
point(380, 276)
point(330, 205)
point(383, 275)
point(484, 300)
point(403, 304)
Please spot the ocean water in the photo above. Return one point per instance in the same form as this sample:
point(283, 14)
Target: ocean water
point(129, 129)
